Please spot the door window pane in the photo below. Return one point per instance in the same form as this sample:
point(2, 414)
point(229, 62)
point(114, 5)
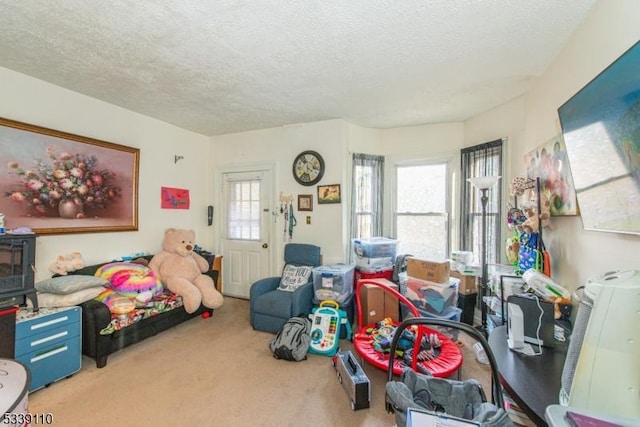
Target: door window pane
point(244, 210)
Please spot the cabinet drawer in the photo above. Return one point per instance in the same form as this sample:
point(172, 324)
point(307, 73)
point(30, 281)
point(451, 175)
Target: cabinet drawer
point(40, 324)
point(47, 338)
point(52, 363)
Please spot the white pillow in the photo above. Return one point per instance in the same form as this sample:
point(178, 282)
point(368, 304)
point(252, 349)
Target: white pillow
point(294, 276)
point(68, 284)
point(47, 300)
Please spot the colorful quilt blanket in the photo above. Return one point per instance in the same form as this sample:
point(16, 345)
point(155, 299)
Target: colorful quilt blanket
point(162, 303)
point(133, 294)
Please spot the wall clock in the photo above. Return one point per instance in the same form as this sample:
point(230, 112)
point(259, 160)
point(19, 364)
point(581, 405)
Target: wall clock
point(308, 168)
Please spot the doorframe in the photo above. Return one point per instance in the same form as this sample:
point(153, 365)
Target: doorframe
point(218, 188)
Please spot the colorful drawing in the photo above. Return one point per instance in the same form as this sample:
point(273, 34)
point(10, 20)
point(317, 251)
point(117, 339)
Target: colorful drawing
point(549, 163)
point(174, 198)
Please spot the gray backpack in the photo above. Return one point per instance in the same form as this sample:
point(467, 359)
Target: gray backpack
point(292, 341)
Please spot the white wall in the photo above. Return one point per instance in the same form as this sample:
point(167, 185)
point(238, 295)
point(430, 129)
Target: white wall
point(35, 102)
point(610, 29)
point(279, 147)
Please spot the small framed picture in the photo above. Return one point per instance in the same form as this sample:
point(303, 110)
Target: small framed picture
point(305, 202)
point(328, 194)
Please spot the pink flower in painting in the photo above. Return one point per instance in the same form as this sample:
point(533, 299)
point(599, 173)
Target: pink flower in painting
point(67, 177)
point(77, 172)
point(34, 184)
point(17, 196)
point(67, 184)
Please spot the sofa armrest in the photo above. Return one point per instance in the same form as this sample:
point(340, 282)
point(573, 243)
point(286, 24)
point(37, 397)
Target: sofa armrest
point(95, 317)
point(302, 300)
point(263, 286)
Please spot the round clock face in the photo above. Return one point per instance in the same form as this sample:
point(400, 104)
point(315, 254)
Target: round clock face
point(308, 168)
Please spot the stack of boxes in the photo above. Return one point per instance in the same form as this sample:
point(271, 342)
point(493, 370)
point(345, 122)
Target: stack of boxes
point(375, 258)
point(335, 282)
point(462, 268)
point(431, 289)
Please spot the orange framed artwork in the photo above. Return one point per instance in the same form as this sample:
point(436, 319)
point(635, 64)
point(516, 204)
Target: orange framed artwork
point(56, 182)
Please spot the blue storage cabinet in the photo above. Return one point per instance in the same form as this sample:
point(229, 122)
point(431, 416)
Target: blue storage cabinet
point(48, 343)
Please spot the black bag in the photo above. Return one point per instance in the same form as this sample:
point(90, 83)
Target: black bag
point(293, 340)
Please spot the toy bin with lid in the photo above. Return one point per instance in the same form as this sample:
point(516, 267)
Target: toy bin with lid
point(375, 247)
point(362, 273)
point(333, 282)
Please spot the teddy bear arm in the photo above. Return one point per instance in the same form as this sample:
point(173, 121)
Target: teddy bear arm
point(202, 263)
point(157, 261)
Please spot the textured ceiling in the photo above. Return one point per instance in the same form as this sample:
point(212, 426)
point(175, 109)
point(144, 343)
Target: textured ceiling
point(224, 66)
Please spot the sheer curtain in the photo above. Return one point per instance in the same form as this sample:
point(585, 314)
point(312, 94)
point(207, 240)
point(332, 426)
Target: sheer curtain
point(481, 160)
point(367, 194)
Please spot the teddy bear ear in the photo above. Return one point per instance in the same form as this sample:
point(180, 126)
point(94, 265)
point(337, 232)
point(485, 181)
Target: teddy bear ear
point(169, 231)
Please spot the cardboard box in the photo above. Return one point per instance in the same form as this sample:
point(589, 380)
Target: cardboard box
point(377, 303)
point(467, 282)
point(433, 271)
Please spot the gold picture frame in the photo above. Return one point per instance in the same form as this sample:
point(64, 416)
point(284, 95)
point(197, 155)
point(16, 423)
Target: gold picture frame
point(328, 194)
point(55, 182)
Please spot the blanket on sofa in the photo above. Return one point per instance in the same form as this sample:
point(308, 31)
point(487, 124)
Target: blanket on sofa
point(130, 290)
point(164, 302)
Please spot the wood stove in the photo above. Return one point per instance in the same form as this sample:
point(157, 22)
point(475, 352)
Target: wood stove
point(17, 267)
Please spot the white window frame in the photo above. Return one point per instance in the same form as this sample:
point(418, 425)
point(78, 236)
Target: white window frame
point(390, 191)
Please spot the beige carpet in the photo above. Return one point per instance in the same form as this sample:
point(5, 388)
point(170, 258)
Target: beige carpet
point(214, 372)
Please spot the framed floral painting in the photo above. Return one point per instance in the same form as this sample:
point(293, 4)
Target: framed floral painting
point(55, 182)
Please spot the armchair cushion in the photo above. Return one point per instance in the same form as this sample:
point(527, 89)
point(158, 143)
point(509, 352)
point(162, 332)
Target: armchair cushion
point(294, 276)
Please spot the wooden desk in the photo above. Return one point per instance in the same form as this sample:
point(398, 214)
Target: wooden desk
point(533, 382)
point(217, 266)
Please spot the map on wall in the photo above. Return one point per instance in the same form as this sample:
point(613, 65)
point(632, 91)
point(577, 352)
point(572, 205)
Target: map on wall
point(549, 163)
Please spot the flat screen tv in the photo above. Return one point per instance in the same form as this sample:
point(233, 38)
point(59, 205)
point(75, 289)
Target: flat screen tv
point(601, 130)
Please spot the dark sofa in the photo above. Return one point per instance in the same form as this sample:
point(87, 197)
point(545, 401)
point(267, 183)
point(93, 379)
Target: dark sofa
point(96, 315)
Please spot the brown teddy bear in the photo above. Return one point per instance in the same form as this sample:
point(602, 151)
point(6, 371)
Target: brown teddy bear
point(180, 270)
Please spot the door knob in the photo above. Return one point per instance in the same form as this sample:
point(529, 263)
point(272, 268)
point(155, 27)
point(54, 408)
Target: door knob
point(265, 245)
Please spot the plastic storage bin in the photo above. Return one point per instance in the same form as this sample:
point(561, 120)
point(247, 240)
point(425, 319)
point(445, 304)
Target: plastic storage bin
point(376, 274)
point(431, 297)
point(333, 282)
point(375, 247)
point(368, 263)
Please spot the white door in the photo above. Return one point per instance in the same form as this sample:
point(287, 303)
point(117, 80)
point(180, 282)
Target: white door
point(246, 245)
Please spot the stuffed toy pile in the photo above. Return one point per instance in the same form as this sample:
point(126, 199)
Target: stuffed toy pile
point(66, 263)
point(181, 271)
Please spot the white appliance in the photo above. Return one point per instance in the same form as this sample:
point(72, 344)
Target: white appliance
point(602, 369)
point(516, 326)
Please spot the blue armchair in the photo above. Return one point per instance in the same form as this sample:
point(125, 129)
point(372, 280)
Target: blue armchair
point(269, 307)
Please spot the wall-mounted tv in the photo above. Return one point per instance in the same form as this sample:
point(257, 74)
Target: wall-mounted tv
point(601, 130)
